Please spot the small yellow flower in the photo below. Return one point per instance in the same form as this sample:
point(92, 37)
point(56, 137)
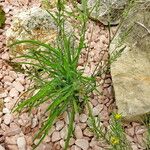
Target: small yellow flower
point(114, 140)
point(118, 116)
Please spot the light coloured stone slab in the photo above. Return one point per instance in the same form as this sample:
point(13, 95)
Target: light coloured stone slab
point(107, 10)
point(131, 71)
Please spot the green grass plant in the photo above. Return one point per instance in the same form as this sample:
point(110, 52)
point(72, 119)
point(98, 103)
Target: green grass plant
point(53, 70)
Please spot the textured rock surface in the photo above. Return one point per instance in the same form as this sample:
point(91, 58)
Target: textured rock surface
point(102, 9)
point(131, 73)
point(34, 23)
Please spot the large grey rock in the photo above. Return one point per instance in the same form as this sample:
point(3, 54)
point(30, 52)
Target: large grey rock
point(131, 71)
point(107, 10)
point(34, 24)
point(31, 24)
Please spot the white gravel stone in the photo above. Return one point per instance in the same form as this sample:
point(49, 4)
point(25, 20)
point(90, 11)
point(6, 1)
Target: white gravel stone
point(87, 132)
point(13, 74)
point(13, 93)
point(7, 9)
point(25, 120)
point(59, 125)
point(83, 118)
point(21, 143)
point(13, 130)
point(46, 139)
point(11, 140)
point(43, 147)
point(62, 143)
point(10, 105)
point(12, 147)
point(63, 133)
point(82, 125)
point(7, 99)
point(97, 110)
point(77, 117)
point(1, 76)
point(82, 143)
point(9, 84)
point(29, 139)
point(18, 86)
point(5, 56)
point(94, 142)
point(74, 147)
point(56, 136)
point(21, 80)
point(97, 148)
point(72, 141)
point(3, 95)
point(6, 111)
point(2, 148)
point(78, 132)
point(8, 119)
point(7, 79)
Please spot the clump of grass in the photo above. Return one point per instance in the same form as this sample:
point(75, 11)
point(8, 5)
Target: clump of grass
point(56, 77)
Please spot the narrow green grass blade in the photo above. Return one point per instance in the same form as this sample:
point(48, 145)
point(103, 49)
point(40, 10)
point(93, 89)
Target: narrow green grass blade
point(70, 127)
point(47, 126)
point(35, 42)
point(60, 99)
point(40, 94)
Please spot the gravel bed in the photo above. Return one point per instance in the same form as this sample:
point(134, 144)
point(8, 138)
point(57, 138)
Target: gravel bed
point(17, 131)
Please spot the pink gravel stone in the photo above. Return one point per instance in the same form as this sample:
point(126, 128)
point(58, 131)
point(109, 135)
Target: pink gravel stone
point(78, 132)
point(82, 143)
point(13, 93)
point(8, 119)
point(56, 136)
point(18, 86)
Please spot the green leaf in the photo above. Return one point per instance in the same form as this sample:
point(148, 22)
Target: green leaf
point(68, 92)
point(44, 91)
point(70, 127)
